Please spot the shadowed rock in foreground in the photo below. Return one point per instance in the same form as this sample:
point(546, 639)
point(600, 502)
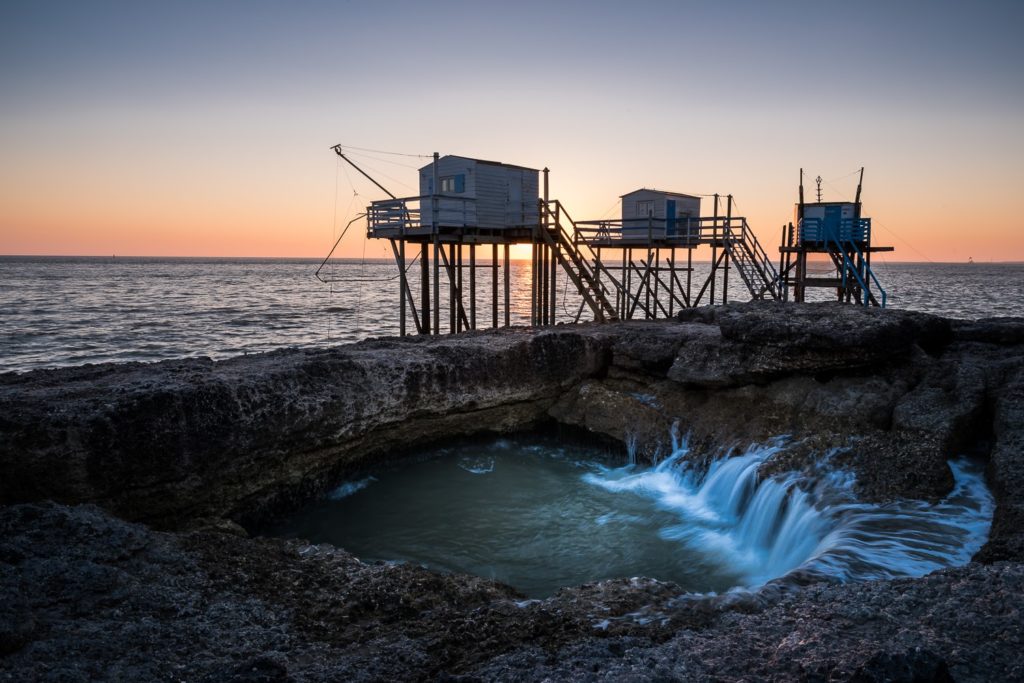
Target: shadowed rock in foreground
point(96, 597)
point(199, 445)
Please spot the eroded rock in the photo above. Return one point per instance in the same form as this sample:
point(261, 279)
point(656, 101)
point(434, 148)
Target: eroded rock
point(173, 440)
point(197, 446)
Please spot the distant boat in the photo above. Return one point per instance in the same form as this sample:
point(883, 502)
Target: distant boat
point(970, 259)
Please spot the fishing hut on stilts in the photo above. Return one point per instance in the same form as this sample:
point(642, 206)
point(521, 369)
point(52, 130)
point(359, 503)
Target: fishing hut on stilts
point(838, 233)
point(467, 206)
point(470, 212)
point(647, 254)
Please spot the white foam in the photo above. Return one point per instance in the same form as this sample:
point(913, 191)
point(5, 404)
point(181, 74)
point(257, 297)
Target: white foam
point(766, 528)
point(477, 464)
point(350, 487)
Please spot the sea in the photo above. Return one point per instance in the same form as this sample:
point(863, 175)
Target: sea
point(67, 311)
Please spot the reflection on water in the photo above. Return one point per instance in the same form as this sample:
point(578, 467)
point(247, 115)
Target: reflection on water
point(69, 311)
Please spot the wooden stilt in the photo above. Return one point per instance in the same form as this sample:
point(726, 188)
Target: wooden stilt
point(494, 285)
point(402, 285)
point(437, 286)
point(452, 285)
point(425, 287)
point(716, 235)
point(553, 279)
point(534, 284)
point(508, 311)
point(472, 286)
point(671, 280)
point(689, 276)
point(728, 235)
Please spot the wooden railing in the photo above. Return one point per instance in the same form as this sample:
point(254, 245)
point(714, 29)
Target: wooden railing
point(847, 230)
point(410, 214)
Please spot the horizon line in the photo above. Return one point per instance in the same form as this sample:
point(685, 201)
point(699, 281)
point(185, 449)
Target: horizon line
point(388, 260)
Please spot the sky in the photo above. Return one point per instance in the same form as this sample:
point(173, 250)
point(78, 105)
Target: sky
point(204, 128)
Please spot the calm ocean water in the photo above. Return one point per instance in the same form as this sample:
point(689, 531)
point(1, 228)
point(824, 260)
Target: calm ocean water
point(58, 311)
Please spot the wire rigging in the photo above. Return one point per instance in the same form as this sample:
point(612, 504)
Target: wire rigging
point(361, 156)
point(908, 244)
point(876, 222)
point(385, 279)
point(334, 234)
point(348, 179)
point(843, 177)
point(392, 179)
point(611, 208)
point(835, 189)
point(380, 151)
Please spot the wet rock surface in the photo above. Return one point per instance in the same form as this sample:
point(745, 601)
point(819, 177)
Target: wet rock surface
point(194, 447)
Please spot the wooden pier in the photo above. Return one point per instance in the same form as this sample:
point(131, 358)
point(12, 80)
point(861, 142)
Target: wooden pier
point(652, 271)
point(470, 213)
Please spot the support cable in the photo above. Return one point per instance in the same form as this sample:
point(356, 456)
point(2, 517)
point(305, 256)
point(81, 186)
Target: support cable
point(363, 155)
point(379, 151)
point(908, 244)
point(334, 234)
point(392, 179)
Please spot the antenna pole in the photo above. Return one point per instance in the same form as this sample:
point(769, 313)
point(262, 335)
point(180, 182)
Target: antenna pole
point(818, 180)
point(800, 206)
point(859, 183)
point(337, 150)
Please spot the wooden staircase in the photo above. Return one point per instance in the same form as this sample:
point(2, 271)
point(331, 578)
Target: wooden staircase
point(577, 264)
point(752, 263)
point(610, 299)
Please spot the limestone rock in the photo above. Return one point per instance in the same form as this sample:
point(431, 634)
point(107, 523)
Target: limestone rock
point(180, 439)
point(199, 446)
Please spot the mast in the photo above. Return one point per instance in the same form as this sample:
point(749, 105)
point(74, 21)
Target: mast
point(337, 150)
point(800, 211)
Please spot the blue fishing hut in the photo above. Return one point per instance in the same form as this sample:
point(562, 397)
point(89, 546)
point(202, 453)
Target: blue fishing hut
point(840, 236)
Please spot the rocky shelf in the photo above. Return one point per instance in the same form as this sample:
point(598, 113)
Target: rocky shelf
point(125, 492)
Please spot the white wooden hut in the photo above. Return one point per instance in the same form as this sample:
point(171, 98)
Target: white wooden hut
point(657, 213)
point(479, 193)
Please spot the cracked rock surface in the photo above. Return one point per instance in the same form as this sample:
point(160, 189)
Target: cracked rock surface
point(124, 490)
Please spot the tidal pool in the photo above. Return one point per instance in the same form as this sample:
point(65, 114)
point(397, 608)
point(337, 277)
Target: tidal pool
point(540, 516)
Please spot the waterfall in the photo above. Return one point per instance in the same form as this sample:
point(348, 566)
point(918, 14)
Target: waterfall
point(767, 527)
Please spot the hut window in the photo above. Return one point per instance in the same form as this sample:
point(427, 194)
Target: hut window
point(454, 183)
point(644, 208)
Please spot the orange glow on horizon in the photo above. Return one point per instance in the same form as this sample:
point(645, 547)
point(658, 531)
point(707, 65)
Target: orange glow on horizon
point(297, 206)
point(168, 130)
point(95, 225)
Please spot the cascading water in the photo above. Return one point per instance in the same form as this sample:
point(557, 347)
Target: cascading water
point(540, 516)
point(767, 528)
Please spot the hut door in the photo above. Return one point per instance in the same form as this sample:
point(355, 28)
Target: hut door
point(670, 217)
point(833, 219)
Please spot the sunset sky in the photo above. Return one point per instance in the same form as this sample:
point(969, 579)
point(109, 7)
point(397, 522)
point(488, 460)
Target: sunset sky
point(203, 129)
